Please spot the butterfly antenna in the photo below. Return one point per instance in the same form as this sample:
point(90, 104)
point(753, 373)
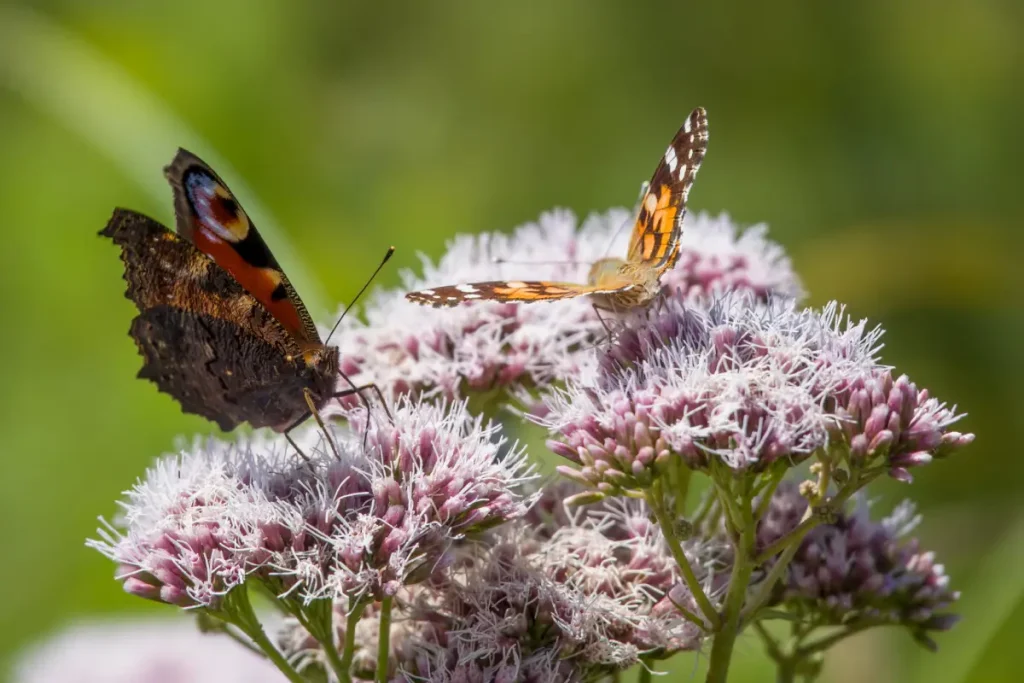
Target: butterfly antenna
point(644, 187)
point(502, 260)
point(391, 250)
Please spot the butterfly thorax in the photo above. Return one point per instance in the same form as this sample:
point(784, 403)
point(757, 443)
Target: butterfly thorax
point(603, 270)
point(632, 284)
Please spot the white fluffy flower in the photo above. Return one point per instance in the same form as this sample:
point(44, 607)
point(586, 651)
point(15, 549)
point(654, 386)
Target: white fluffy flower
point(382, 515)
point(739, 381)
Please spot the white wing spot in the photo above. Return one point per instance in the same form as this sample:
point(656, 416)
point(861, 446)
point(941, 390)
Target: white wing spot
point(427, 292)
point(516, 284)
point(671, 159)
point(687, 126)
point(472, 296)
point(650, 203)
point(453, 298)
point(466, 289)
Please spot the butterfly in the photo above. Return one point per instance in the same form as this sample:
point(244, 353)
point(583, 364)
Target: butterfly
point(220, 328)
point(614, 283)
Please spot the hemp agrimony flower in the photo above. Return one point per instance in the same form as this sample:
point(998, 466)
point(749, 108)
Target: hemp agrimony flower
point(385, 512)
point(744, 385)
point(855, 573)
point(409, 546)
point(575, 606)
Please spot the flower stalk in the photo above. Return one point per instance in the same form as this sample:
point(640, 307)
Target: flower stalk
point(237, 610)
point(384, 639)
point(355, 613)
point(657, 505)
point(742, 569)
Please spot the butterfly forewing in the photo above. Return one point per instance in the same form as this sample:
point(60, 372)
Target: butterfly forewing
point(659, 224)
point(500, 290)
point(210, 217)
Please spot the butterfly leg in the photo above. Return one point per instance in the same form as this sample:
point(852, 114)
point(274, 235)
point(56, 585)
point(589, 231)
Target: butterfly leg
point(288, 436)
point(359, 392)
point(607, 329)
point(320, 421)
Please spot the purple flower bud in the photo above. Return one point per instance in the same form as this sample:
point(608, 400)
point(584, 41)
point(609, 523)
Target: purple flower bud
point(856, 568)
point(901, 474)
point(914, 459)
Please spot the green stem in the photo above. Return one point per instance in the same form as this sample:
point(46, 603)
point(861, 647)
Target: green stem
point(384, 640)
point(792, 538)
point(687, 614)
point(682, 487)
point(334, 659)
point(770, 646)
point(355, 613)
point(786, 671)
point(742, 568)
point(318, 619)
point(655, 502)
point(239, 612)
point(237, 637)
point(790, 543)
point(704, 509)
point(725, 502)
point(764, 591)
point(811, 520)
point(829, 641)
point(645, 673)
point(766, 495)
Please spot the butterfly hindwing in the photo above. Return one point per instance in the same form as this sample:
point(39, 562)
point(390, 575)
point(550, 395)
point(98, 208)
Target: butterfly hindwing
point(209, 216)
point(204, 339)
point(659, 224)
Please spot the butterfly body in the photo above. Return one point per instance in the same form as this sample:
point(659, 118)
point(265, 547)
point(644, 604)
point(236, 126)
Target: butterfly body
point(614, 284)
point(219, 327)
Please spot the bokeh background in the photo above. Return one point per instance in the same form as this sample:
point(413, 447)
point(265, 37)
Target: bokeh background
point(882, 141)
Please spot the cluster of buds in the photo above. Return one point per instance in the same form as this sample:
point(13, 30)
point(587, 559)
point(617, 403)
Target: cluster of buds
point(382, 512)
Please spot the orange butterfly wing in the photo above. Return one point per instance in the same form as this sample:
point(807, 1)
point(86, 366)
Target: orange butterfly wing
point(211, 218)
point(510, 291)
point(659, 225)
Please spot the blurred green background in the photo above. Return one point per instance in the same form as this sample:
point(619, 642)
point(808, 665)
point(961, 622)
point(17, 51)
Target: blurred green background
point(882, 141)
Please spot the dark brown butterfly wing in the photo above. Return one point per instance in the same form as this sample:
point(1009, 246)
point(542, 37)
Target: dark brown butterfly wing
point(205, 340)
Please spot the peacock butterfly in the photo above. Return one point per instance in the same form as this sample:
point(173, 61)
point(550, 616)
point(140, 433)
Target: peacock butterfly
point(220, 328)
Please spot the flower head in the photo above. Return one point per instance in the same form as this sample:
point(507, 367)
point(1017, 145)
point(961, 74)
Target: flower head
point(590, 599)
point(738, 382)
point(884, 417)
point(855, 570)
point(378, 517)
point(405, 347)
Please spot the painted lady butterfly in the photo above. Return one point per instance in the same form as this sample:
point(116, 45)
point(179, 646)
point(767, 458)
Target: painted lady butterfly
point(615, 284)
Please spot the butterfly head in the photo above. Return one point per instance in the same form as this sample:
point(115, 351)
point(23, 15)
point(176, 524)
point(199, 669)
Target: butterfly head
point(321, 367)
